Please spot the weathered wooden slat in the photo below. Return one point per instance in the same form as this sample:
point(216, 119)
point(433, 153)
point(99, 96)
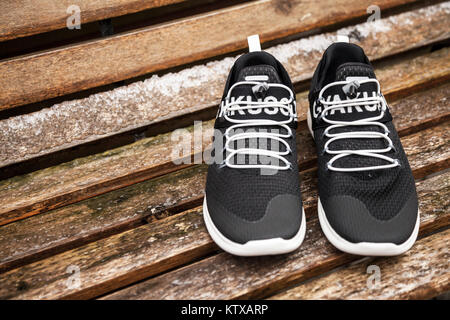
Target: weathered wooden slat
point(108, 263)
point(22, 18)
point(153, 239)
point(78, 67)
point(54, 187)
point(431, 158)
point(43, 190)
point(421, 110)
point(421, 273)
point(71, 226)
point(227, 277)
point(198, 88)
point(125, 208)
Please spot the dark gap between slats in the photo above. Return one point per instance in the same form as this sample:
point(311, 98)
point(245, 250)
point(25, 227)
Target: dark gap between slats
point(213, 252)
point(33, 107)
point(90, 31)
point(340, 267)
point(148, 219)
point(164, 126)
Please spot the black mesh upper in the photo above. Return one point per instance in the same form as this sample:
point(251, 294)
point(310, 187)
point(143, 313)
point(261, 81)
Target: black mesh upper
point(384, 192)
point(246, 192)
point(355, 70)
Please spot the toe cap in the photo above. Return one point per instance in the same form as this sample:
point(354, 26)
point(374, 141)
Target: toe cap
point(350, 218)
point(282, 219)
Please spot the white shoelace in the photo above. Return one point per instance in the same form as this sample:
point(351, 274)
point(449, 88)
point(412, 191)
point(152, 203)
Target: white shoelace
point(231, 136)
point(377, 101)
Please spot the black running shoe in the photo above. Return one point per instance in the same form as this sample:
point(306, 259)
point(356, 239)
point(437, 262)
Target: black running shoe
point(252, 204)
point(367, 197)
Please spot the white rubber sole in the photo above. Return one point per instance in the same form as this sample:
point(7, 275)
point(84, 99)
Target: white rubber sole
point(365, 248)
point(361, 248)
point(309, 122)
point(254, 247)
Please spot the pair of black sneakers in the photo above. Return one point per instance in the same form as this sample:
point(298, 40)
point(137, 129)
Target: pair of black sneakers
point(367, 199)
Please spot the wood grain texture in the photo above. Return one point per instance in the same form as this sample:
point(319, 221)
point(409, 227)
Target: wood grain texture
point(199, 88)
point(78, 67)
point(95, 218)
point(229, 277)
point(20, 18)
point(431, 158)
point(410, 115)
point(147, 250)
point(106, 264)
point(421, 273)
point(47, 189)
point(126, 255)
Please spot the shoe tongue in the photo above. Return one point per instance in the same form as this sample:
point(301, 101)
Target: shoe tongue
point(263, 75)
point(357, 72)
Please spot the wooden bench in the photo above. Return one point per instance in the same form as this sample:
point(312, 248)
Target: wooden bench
point(88, 180)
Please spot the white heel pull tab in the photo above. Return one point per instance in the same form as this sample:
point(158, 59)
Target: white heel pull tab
point(253, 43)
point(342, 38)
